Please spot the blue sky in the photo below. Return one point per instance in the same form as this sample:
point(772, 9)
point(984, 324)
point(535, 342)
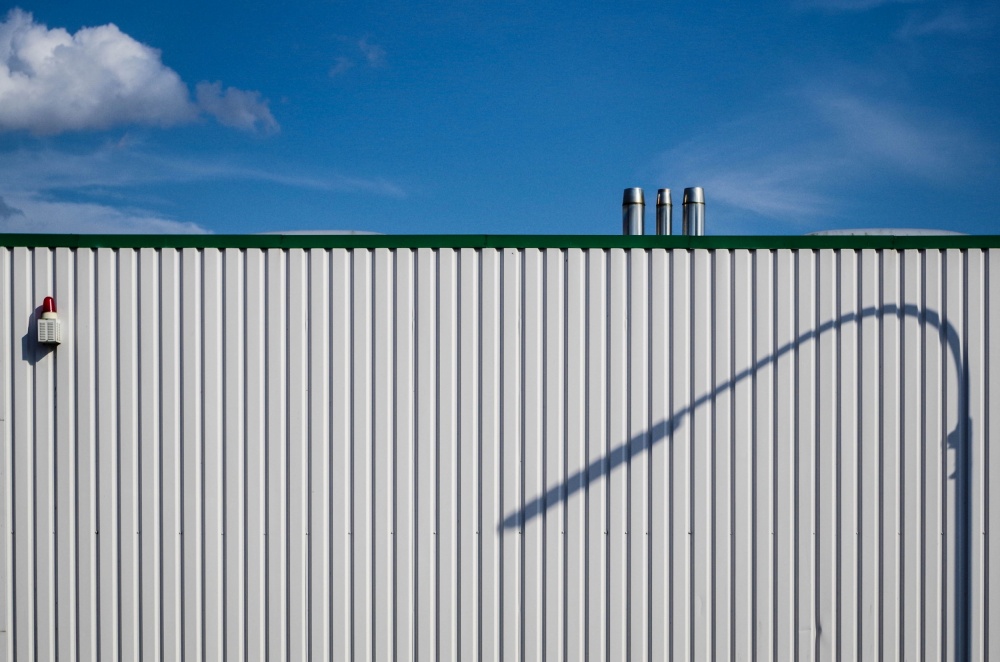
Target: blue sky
point(497, 117)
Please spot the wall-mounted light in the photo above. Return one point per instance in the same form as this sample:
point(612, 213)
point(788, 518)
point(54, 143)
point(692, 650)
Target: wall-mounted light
point(49, 327)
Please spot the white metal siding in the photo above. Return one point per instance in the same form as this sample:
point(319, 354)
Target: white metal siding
point(533, 454)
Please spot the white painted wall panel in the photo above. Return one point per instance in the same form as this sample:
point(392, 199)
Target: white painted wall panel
point(991, 451)
point(538, 454)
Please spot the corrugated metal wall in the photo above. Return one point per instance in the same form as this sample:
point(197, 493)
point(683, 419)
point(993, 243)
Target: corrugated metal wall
point(501, 454)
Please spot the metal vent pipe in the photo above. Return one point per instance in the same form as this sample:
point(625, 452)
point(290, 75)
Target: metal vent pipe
point(633, 211)
point(694, 211)
point(664, 212)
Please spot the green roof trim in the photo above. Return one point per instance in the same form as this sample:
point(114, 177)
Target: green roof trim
point(493, 241)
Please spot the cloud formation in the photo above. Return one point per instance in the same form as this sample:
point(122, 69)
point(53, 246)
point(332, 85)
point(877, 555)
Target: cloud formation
point(754, 167)
point(341, 66)
point(114, 166)
point(106, 190)
point(36, 215)
point(792, 165)
point(950, 21)
point(6, 211)
point(372, 55)
point(911, 141)
point(235, 108)
point(54, 82)
point(851, 5)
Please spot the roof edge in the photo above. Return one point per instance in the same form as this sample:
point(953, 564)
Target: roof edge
point(286, 241)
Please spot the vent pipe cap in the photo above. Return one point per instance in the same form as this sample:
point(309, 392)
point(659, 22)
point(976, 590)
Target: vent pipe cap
point(663, 197)
point(694, 194)
point(633, 196)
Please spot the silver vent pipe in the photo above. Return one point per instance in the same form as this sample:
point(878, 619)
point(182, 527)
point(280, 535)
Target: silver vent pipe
point(694, 211)
point(633, 211)
point(664, 212)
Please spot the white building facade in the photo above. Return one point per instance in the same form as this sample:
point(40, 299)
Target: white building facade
point(500, 448)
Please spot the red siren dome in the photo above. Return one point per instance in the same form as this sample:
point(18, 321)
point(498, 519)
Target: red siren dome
point(49, 305)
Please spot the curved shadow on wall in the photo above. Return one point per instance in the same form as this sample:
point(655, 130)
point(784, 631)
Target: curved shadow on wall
point(957, 440)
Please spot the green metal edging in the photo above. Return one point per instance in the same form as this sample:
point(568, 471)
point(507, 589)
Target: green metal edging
point(493, 241)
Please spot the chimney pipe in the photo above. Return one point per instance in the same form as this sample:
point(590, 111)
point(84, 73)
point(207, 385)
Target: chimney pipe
point(694, 211)
point(664, 212)
point(633, 211)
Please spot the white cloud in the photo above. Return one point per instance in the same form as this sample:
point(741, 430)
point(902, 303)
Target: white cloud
point(776, 178)
point(374, 54)
point(113, 166)
point(53, 82)
point(102, 184)
point(852, 5)
point(236, 108)
point(785, 191)
point(920, 143)
point(341, 66)
point(795, 164)
point(42, 216)
point(950, 21)
point(329, 182)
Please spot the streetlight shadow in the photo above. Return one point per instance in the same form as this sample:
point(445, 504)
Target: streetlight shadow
point(957, 440)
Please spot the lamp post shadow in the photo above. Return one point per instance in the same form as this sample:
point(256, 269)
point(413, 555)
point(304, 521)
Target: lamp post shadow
point(957, 440)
